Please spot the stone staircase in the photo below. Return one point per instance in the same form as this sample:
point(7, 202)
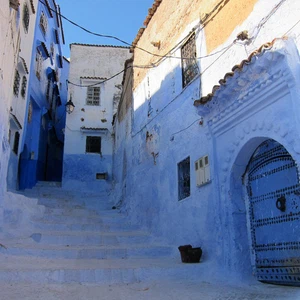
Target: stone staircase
point(73, 242)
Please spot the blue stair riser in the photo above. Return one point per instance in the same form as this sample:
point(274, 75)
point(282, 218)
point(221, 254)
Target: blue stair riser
point(85, 227)
point(82, 219)
point(71, 253)
point(91, 240)
point(101, 275)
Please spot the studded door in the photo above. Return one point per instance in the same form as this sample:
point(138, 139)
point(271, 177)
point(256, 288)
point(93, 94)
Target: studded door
point(274, 210)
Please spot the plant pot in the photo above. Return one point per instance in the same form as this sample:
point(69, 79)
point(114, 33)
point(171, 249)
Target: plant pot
point(190, 254)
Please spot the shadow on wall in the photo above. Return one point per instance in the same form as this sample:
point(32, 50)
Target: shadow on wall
point(151, 182)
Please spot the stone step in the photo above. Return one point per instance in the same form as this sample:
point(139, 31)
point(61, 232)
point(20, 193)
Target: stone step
point(56, 202)
point(87, 252)
point(95, 238)
point(70, 219)
point(56, 226)
point(84, 212)
point(74, 203)
point(39, 270)
point(45, 184)
point(70, 212)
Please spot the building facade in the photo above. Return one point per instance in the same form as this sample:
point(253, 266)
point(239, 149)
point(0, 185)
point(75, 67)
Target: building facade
point(9, 26)
point(26, 12)
point(95, 92)
point(41, 147)
point(207, 144)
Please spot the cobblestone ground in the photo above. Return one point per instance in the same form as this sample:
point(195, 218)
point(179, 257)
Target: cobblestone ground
point(171, 290)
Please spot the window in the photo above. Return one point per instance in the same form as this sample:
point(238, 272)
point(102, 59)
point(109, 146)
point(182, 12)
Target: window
point(52, 50)
point(49, 90)
point(26, 17)
point(17, 83)
point(23, 87)
point(93, 95)
point(16, 142)
point(202, 170)
point(184, 185)
point(93, 144)
point(38, 64)
point(189, 61)
point(29, 117)
point(43, 23)
point(56, 36)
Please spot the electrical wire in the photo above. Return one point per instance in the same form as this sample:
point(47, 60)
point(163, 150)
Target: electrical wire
point(154, 65)
point(101, 35)
point(129, 44)
point(162, 57)
point(172, 135)
point(265, 19)
point(145, 126)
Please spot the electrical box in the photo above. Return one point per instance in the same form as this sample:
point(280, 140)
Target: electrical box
point(202, 170)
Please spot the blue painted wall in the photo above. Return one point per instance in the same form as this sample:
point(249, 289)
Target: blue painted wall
point(214, 216)
point(42, 144)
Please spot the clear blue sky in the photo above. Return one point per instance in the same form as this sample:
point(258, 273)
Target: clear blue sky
point(121, 18)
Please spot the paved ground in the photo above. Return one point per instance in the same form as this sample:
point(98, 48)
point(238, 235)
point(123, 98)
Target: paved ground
point(149, 291)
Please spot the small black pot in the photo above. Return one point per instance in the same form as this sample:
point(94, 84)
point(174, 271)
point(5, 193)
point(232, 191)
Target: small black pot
point(190, 254)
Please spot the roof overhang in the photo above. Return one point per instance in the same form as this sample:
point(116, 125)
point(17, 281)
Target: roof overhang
point(15, 122)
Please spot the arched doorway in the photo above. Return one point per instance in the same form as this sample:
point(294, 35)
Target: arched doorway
point(273, 190)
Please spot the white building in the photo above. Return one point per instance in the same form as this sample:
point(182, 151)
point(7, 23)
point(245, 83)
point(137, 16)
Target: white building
point(24, 36)
point(95, 91)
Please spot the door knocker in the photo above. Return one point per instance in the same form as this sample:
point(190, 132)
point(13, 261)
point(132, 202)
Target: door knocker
point(280, 203)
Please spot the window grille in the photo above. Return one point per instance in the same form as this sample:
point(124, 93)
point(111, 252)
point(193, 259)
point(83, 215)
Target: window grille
point(38, 64)
point(16, 83)
point(43, 23)
point(184, 182)
point(26, 17)
point(52, 50)
point(16, 142)
point(49, 90)
point(93, 96)
point(93, 144)
point(189, 61)
point(23, 87)
point(29, 117)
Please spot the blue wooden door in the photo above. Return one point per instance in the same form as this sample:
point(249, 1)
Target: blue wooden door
point(274, 210)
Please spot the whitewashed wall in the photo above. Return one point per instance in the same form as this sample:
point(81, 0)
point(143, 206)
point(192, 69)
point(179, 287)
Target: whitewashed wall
point(8, 59)
point(91, 64)
point(19, 103)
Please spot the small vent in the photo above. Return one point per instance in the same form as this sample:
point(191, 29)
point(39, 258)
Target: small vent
point(102, 176)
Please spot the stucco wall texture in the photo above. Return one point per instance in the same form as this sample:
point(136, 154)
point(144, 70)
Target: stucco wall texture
point(252, 106)
point(219, 19)
point(91, 64)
